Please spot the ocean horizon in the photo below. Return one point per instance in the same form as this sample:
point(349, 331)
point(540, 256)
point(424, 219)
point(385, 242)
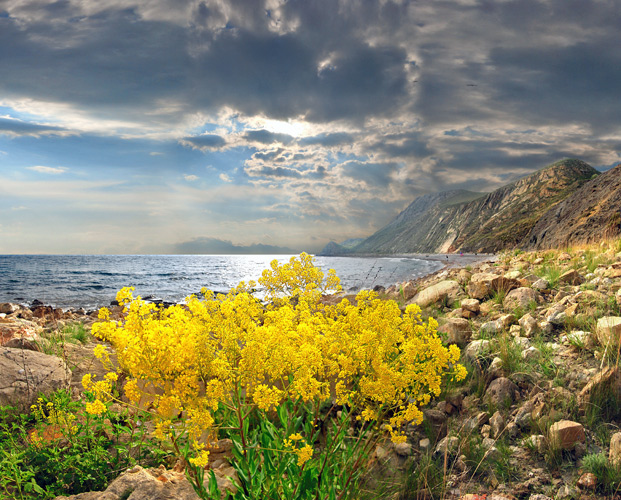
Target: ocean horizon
point(91, 281)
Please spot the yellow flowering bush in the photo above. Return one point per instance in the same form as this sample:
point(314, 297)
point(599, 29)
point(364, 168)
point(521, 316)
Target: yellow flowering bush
point(236, 353)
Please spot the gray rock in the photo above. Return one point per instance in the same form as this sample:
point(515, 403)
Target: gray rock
point(447, 446)
point(557, 319)
point(476, 349)
point(497, 425)
point(9, 308)
point(472, 305)
point(520, 297)
point(501, 392)
point(571, 277)
point(608, 331)
point(445, 290)
point(541, 284)
point(614, 455)
point(24, 375)
point(529, 325)
point(491, 328)
point(482, 285)
point(457, 331)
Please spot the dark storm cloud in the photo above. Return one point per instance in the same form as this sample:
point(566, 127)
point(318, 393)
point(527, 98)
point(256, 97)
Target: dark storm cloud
point(207, 141)
point(372, 174)
point(571, 83)
point(277, 172)
point(267, 137)
point(17, 127)
point(328, 140)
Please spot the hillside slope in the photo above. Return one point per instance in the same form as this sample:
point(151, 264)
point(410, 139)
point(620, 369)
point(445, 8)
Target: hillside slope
point(472, 222)
point(589, 214)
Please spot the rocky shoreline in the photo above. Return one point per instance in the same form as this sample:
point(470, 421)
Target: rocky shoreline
point(538, 416)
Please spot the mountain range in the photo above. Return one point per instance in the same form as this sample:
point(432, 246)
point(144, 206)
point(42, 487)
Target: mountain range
point(564, 203)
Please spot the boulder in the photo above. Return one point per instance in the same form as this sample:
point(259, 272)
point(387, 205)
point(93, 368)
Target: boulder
point(18, 328)
point(145, 484)
point(24, 375)
point(520, 297)
point(501, 392)
point(565, 434)
point(457, 331)
point(482, 285)
point(571, 277)
point(618, 297)
point(445, 290)
point(9, 308)
point(608, 330)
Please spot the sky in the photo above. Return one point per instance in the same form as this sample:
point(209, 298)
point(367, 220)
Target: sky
point(165, 126)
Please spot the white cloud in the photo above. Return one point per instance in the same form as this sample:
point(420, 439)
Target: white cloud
point(190, 178)
point(48, 170)
point(224, 177)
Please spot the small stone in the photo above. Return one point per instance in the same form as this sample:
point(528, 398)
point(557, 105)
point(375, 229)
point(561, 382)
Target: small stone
point(531, 354)
point(380, 452)
point(497, 424)
point(520, 297)
point(536, 442)
point(472, 305)
point(408, 290)
point(565, 434)
point(448, 445)
point(614, 455)
point(529, 325)
point(403, 449)
point(571, 277)
point(539, 496)
point(588, 481)
point(9, 308)
point(541, 285)
point(476, 349)
point(457, 331)
point(424, 444)
point(501, 391)
point(566, 492)
point(608, 330)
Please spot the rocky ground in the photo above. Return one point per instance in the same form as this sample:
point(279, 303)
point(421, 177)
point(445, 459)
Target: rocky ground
point(538, 416)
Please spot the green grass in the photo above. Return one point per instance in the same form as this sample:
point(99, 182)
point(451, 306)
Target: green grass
point(608, 475)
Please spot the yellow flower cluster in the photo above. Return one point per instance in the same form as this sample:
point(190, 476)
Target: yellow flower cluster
point(52, 414)
point(297, 443)
point(101, 389)
point(188, 359)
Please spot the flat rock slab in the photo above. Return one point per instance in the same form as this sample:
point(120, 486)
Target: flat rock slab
point(445, 290)
point(154, 484)
point(26, 374)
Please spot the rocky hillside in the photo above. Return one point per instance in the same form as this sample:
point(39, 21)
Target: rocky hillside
point(589, 214)
point(462, 221)
point(540, 413)
point(408, 232)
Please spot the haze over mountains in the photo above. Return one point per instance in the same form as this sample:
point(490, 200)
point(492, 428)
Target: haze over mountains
point(564, 203)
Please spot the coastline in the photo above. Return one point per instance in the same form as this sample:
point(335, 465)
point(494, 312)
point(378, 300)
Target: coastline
point(90, 282)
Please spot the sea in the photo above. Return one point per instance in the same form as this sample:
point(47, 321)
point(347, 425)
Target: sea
point(91, 281)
